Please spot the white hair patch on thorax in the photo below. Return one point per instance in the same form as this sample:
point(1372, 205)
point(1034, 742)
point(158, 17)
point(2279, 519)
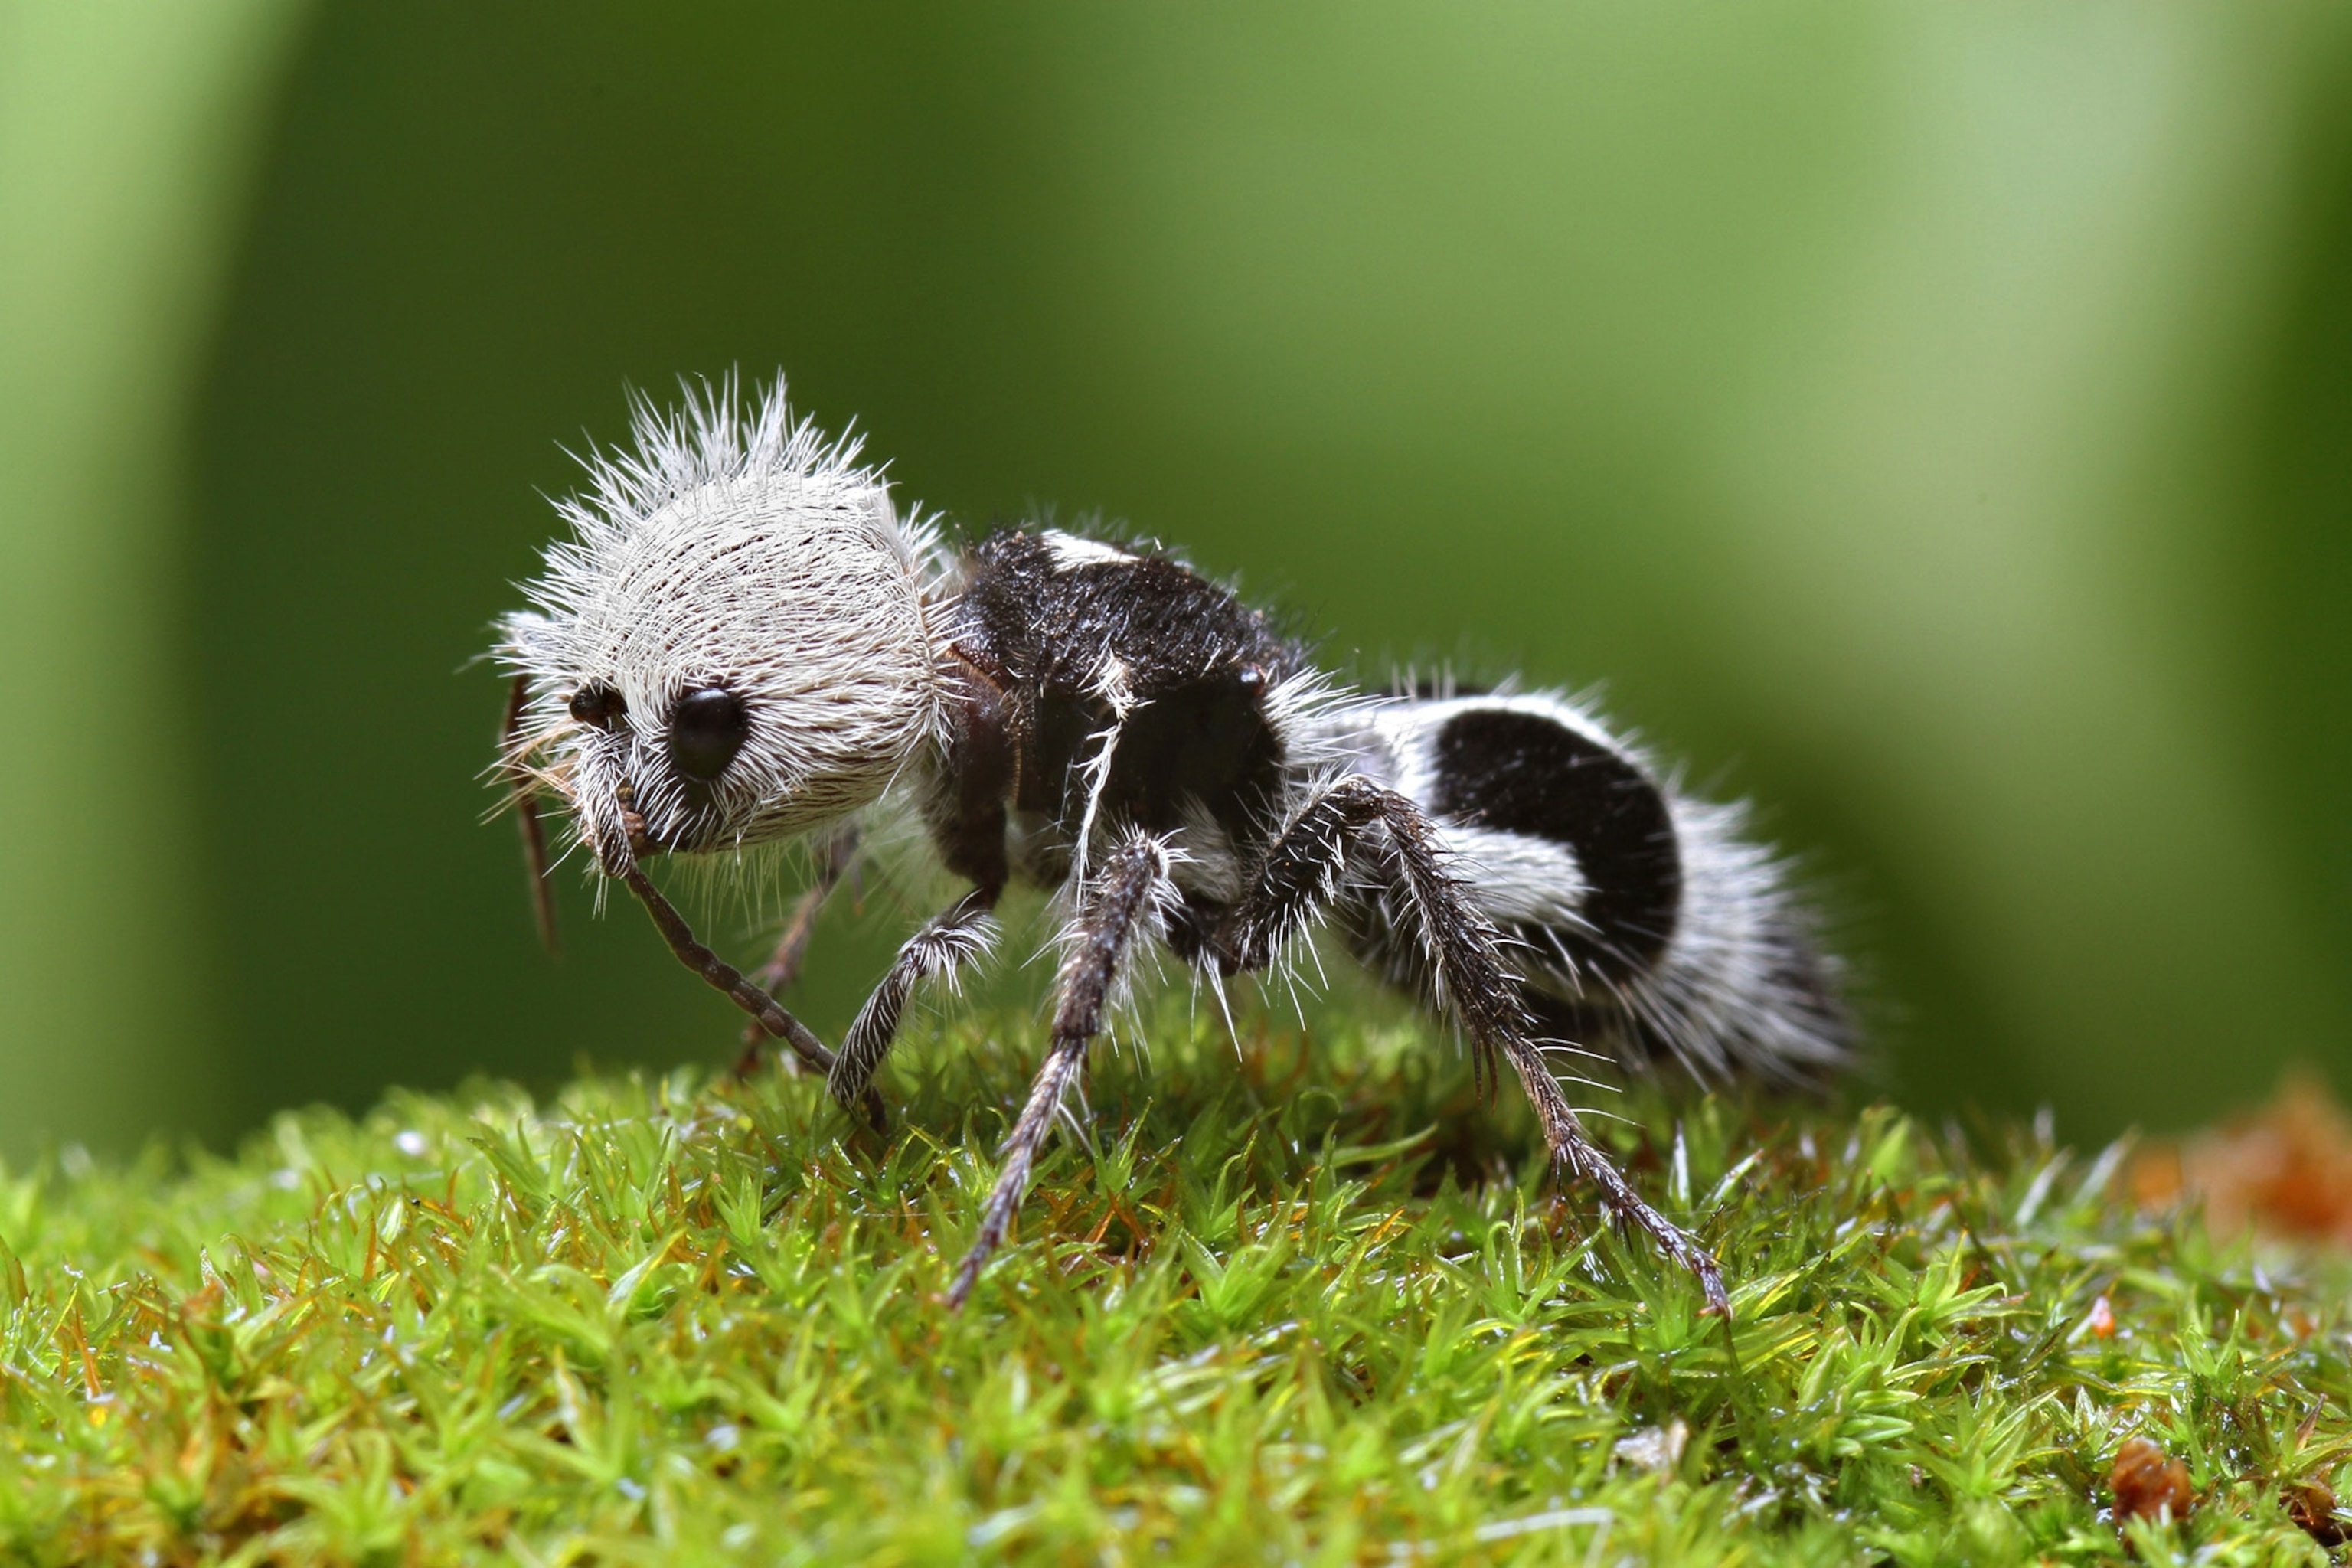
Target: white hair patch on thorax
point(1072, 550)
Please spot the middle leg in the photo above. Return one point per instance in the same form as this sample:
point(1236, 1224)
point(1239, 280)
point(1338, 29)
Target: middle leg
point(1130, 890)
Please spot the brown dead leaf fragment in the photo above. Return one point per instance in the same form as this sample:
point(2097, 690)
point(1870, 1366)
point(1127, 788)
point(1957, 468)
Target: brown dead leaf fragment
point(2284, 1170)
point(2149, 1483)
point(2311, 1505)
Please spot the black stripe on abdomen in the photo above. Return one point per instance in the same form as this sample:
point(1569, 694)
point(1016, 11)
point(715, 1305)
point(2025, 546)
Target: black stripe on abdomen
point(1522, 773)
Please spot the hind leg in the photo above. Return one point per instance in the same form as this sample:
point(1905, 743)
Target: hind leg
point(1301, 875)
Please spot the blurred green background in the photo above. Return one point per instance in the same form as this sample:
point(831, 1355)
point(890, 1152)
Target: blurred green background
point(1930, 421)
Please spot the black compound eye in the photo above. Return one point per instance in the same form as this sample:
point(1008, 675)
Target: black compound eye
point(706, 729)
point(598, 704)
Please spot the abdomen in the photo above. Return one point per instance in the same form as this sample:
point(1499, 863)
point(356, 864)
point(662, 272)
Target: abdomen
point(1647, 925)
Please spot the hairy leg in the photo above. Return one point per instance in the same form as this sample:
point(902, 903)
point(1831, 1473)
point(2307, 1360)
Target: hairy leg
point(1299, 876)
point(783, 966)
point(1123, 902)
point(962, 932)
point(726, 978)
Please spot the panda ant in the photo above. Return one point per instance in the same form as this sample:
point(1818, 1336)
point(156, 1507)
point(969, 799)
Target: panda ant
point(744, 642)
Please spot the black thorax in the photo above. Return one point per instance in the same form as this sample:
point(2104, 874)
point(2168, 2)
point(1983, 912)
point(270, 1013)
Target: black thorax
point(1059, 649)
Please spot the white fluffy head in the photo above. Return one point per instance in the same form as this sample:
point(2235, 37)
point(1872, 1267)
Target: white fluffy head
point(732, 548)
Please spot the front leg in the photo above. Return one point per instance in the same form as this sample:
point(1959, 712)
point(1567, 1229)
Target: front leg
point(964, 931)
point(1299, 877)
point(783, 966)
point(731, 983)
point(1129, 899)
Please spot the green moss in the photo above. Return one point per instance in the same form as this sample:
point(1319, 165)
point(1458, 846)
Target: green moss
point(1317, 1307)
